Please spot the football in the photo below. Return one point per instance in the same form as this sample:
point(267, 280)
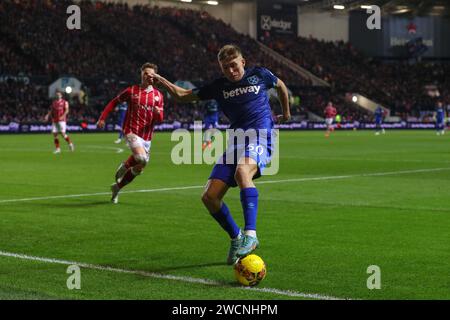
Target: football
point(250, 270)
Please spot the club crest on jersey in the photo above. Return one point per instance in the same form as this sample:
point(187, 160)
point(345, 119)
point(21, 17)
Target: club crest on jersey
point(156, 98)
point(253, 80)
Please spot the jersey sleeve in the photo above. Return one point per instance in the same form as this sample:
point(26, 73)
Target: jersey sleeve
point(123, 96)
point(269, 78)
point(207, 92)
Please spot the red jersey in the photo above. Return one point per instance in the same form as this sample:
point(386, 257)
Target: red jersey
point(330, 112)
point(141, 115)
point(58, 108)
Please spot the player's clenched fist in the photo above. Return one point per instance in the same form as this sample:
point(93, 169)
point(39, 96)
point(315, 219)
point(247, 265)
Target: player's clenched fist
point(101, 124)
point(283, 118)
point(156, 76)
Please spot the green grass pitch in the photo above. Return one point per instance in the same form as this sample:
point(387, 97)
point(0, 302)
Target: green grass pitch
point(377, 200)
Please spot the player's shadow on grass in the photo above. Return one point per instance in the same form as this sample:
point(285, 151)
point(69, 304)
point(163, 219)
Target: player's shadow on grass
point(191, 266)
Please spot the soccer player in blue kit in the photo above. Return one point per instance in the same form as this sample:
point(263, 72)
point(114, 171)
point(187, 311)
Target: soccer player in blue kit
point(379, 113)
point(242, 96)
point(122, 109)
point(440, 118)
point(211, 120)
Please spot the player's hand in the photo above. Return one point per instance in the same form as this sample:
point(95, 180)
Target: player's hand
point(156, 79)
point(101, 124)
point(281, 118)
point(46, 118)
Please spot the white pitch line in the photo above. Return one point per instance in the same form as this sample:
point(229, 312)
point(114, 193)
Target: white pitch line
point(49, 151)
point(375, 174)
point(81, 195)
point(201, 186)
point(368, 159)
point(118, 150)
point(289, 293)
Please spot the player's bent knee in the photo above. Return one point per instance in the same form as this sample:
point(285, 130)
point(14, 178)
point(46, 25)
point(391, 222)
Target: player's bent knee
point(209, 199)
point(206, 199)
point(141, 159)
point(242, 174)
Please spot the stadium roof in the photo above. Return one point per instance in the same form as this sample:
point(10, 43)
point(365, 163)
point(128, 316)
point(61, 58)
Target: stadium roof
point(410, 7)
point(406, 7)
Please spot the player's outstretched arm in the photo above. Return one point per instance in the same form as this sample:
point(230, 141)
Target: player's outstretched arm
point(181, 94)
point(47, 116)
point(109, 107)
point(283, 97)
point(123, 96)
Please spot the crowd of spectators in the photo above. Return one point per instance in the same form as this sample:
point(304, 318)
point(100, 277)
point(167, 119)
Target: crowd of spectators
point(399, 86)
point(115, 39)
point(23, 102)
point(113, 42)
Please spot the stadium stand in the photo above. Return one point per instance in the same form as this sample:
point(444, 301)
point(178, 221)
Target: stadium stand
point(397, 85)
point(184, 43)
point(114, 55)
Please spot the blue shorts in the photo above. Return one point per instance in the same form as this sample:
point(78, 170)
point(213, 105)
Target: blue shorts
point(210, 124)
point(258, 147)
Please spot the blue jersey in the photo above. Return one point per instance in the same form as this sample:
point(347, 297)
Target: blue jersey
point(440, 114)
point(379, 113)
point(212, 111)
point(122, 108)
point(212, 107)
point(245, 103)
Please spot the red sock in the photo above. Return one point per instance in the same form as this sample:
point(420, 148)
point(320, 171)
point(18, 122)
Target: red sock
point(127, 178)
point(131, 162)
point(56, 143)
point(67, 139)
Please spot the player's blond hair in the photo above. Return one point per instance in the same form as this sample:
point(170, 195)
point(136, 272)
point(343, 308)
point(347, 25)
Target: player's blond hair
point(149, 65)
point(229, 52)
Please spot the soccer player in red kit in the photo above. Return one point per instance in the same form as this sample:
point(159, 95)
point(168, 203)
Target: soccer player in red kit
point(58, 113)
point(145, 109)
point(330, 113)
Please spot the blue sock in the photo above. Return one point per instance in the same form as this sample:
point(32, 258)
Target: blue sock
point(249, 201)
point(224, 218)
